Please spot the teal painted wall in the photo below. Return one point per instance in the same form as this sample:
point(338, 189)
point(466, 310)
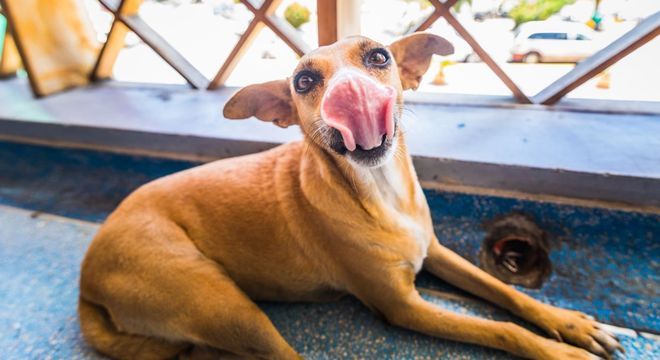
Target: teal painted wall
point(3, 28)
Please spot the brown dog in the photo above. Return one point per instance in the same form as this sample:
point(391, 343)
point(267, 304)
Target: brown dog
point(178, 265)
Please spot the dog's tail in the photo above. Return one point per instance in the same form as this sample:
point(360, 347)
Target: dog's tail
point(99, 331)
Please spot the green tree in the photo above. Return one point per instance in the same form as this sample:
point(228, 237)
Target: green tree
point(459, 4)
point(536, 10)
point(297, 15)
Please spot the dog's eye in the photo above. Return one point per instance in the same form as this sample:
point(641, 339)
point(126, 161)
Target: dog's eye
point(378, 57)
point(303, 82)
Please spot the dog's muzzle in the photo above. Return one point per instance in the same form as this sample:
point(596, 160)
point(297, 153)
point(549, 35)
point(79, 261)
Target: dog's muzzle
point(360, 108)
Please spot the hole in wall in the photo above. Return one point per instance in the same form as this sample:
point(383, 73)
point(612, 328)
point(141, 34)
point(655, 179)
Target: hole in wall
point(515, 250)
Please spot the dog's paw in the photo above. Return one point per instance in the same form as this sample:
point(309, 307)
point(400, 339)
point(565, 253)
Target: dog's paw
point(554, 350)
point(578, 329)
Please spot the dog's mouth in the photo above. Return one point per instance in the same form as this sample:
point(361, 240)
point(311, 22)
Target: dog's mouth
point(370, 157)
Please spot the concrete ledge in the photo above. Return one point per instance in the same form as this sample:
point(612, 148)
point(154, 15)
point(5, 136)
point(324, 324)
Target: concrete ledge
point(619, 189)
point(609, 156)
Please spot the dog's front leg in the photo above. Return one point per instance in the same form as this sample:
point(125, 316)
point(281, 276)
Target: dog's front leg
point(571, 326)
point(410, 311)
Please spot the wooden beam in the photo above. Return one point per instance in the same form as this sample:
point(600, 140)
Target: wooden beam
point(443, 10)
point(236, 54)
point(287, 33)
point(646, 31)
point(485, 57)
point(10, 60)
point(327, 21)
point(158, 44)
point(438, 11)
point(116, 37)
point(256, 25)
point(126, 14)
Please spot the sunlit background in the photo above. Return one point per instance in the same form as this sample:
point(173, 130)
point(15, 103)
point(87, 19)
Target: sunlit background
point(535, 42)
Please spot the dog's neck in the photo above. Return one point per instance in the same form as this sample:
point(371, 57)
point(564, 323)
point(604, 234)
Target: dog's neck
point(391, 186)
point(392, 183)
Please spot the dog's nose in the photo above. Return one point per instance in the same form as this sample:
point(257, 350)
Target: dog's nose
point(361, 108)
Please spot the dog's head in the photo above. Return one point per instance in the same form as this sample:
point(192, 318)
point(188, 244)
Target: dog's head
point(347, 96)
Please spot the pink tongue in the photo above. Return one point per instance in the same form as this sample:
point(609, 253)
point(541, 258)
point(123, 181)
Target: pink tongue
point(360, 108)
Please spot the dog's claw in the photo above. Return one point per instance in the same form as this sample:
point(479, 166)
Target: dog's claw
point(607, 341)
point(556, 335)
point(589, 317)
point(597, 349)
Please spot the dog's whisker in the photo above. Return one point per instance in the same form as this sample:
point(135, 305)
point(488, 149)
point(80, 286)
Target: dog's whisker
point(400, 154)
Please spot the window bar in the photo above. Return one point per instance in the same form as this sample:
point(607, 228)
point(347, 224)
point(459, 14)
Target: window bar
point(263, 16)
point(115, 40)
point(438, 11)
point(157, 44)
point(644, 32)
point(442, 10)
point(517, 92)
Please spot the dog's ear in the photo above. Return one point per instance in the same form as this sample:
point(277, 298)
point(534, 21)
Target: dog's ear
point(270, 101)
point(413, 55)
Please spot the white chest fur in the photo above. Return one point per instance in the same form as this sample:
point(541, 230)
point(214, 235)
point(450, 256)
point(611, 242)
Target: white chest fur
point(392, 190)
point(421, 239)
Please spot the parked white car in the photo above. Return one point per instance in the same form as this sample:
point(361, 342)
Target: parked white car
point(553, 41)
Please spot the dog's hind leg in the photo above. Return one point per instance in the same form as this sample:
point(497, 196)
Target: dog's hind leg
point(570, 326)
point(101, 333)
point(216, 314)
point(165, 288)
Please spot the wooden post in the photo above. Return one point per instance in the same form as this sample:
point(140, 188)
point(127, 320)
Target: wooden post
point(327, 21)
point(337, 19)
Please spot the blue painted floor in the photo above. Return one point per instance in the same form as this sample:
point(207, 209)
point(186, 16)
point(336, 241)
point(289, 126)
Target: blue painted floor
point(605, 262)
